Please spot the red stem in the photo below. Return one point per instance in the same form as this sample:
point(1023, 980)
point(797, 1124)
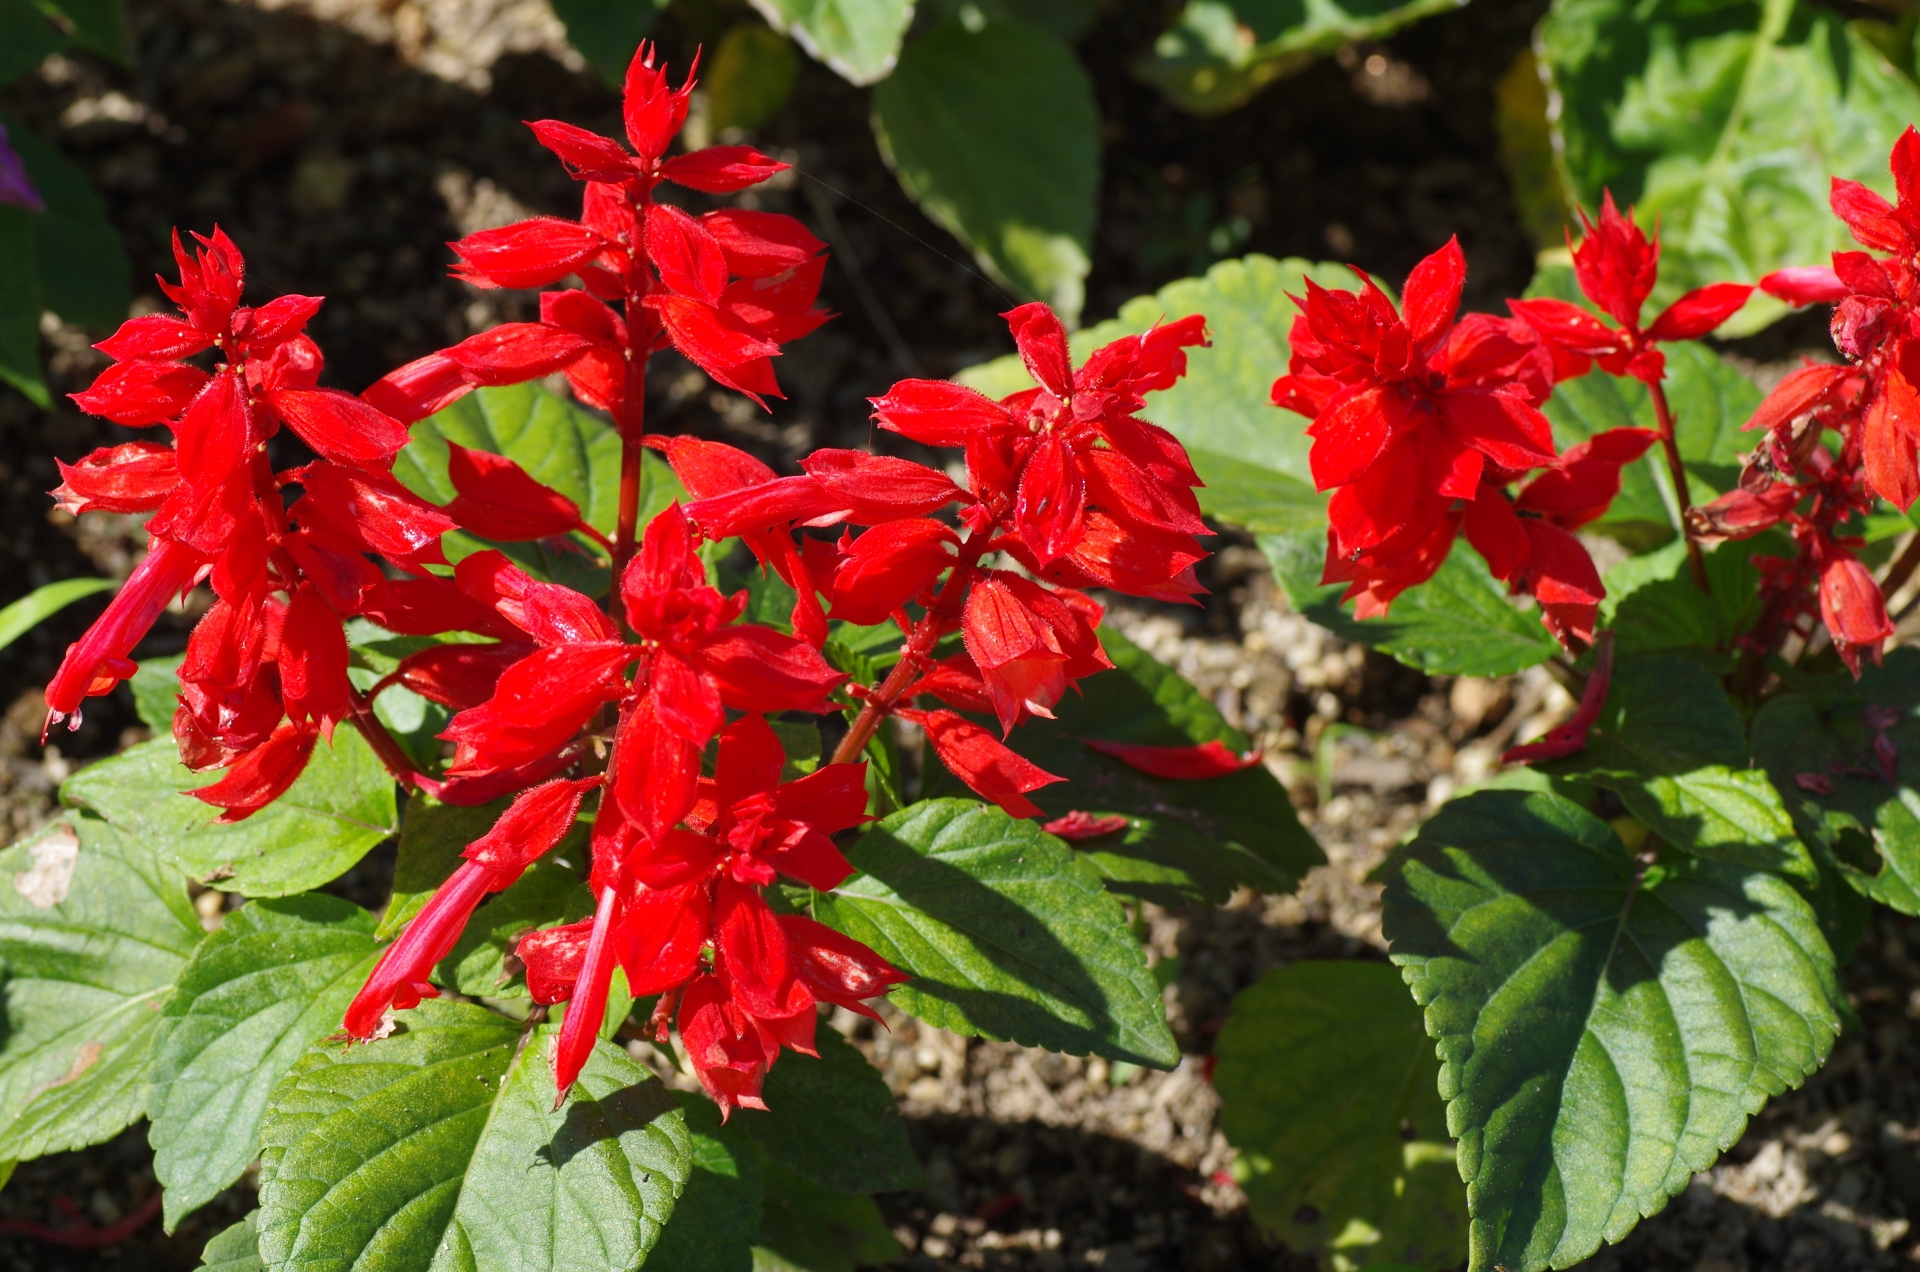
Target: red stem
point(80, 1233)
point(1663, 414)
point(920, 642)
point(383, 743)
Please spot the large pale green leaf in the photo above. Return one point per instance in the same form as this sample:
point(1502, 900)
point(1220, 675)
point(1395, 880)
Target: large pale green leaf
point(1669, 743)
point(83, 269)
point(1605, 1029)
point(995, 134)
point(339, 808)
point(274, 978)
point(1218, 53)
point(235, 1249)
point(1818, 744)
point(833, 1120)
point(561, 446)
point(606, 32)
point(1724, 121)
point(717, 1219)
point(1326, 1082)
point(27, 613)
point(1185, 842)
point(93, 933)
point(1006, 933)
point(20, 307)
point(858, 38)
point(805, 1227)
point(439, 1147)
point(1460, 622)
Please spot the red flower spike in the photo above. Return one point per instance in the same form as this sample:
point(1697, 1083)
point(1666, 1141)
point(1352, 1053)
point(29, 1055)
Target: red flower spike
point(1854, 611)
point(1078, 826)
point(400, 980)
point(982, 761)
point(1571, 738)
point(498, 500)
point(99, 660)
point(313, 662)
point(533, 824)
point(1177, 763)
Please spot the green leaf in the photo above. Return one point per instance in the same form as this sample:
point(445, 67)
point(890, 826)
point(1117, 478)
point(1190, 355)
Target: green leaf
point(20, 307)
point(277, 976)
point(30, 36)
point(1219, 53)
point(1326, 1083)
point(1006, 933)
point(23, 615)
point(1818, 733)
point(432, 837)
point(235, 1249)
point(1604, 1029)
point(994, 133)
point(750, 77)
point(1724, 121)
point(1186, 842)
point(833, 1120)
point(1670, 744)
point(440, 1145)
point(718, 1217)
point(608, 31)
point(1460, 622)
point(156, 692)
point(1653, 604)
point(93, 934)
point(548, 893)
point(1065, 20)
point(83, 269)
point(1523, 117)
point(806, 1226)
point(860, 39)
point(338, 809)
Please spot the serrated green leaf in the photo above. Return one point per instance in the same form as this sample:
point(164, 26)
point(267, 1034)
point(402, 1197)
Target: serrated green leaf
point(994, 133)
point(27, 613)
point(1817, 737)
point(440, 1146)
point(859, 39)
point(1723, 121)
point(1461, 622)
point(548, 893)
point(275, 977)
point(807, 1228)
point(432, 836)
point(833, 1119)
point(606, 32)
point(718, 1217)
point(1654, 606)
point(20, 307)
point(83, 269)
point(1006, 933)
point(1185, 842)
point(341, 806)
point(1326, 1082)
point(1219, 53)
point(93, 933)
point(235, 1249)
point(156, 692)
point(1603, 1034)
point(1670, 745)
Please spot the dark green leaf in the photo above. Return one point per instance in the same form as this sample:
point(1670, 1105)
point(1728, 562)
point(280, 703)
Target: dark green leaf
point(97, 25)
point(804, 1226)
point(83, 269)
point(608, 31)
point(1603, 1033)
point(1218, 53)
point(30, 36)
point(1669, 743)
point(1460, 622)
point(1326, 1082)
point(93, 934)
point(1724, 121)
point(1817, 736)
point(1065, 20)
point(20, 307)
point(749, 78)
point(1654, 606)
point(1185, 842)
point(156, 692)
point(995, 134)
point(275, 977)
point(717, 1219)
point(235, 1249)
point(27, 613)
point(1006, 933)
point(858, 38)
point(339, 808)
point(440, 1144)
point(833, 1120)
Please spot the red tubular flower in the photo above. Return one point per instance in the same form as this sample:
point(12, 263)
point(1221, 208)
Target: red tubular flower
point(982, 761)
point(1078, 826)
point(1853, 609)
point(262, 775)
point(496, 499)
point(1571, 738)
point(131, 477)
point(1028, 644)
point(1179, 763)
point(99, 660)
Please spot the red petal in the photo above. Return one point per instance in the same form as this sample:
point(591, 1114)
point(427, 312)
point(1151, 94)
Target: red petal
point(313, 662)
point(837, 968)
point(889, 566)
point(340, 426)
point(1870, 217)
point(1496, 533)
point(132, 477)
point(155, 336)
point(1571, 737)
point(375, 511)
point(1432, 294)
point(554, 957)
point(1350, 437)
point(458, 676)
point(535, 821)
point(761, 244)
point(540, 703)
point(982, 761)
point(881, 488)
point(260, 776)
point(1805, 285)
point(1800, 392)
point(498, 500)
point(587, 155)
point(689, 260)
point(713, 468)
point(142, 393)
point(653, 111)
point(515, 352)
point(1178, 763)
point(399, 980)
point(938, 412)
point(758, 669)
point(1699, 311)
point(721, 169)
point(419, 388)
point(1042, 343)
point(535, 253)
point(430, 607)
point(1077, 826)
point(715, 341)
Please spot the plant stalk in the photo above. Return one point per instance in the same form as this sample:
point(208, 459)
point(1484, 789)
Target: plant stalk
point(1663, 415)
point(1902, 568)
point(383, 743)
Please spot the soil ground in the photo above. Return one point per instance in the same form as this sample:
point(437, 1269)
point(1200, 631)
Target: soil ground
point(342, 142)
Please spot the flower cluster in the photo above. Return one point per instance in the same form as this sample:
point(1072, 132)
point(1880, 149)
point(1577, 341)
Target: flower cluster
point(266, 668)
point(1870, 405)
